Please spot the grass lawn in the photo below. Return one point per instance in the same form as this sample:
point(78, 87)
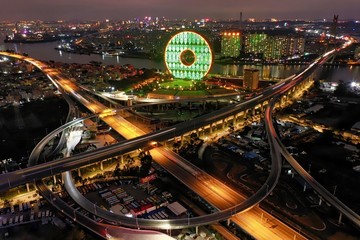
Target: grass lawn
point(178, 83)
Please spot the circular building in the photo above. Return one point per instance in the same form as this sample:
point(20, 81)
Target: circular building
point(188, 56)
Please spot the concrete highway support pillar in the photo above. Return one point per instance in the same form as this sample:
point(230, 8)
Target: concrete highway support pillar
point(340, 218)
point(79, 172)
point(282, 101)
point(101, 165)
point(28, 187)
point(121, 159)
point(54, 179)
point(228, 222)
point(197, 229)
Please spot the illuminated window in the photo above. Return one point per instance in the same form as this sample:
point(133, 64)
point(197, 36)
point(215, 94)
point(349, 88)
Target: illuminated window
point(188, 56)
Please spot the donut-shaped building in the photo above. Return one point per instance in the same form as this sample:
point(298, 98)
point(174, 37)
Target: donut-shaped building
point(188, 56)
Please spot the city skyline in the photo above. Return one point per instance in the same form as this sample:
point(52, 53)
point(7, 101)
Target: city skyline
point(179, 119)
point(115, 10)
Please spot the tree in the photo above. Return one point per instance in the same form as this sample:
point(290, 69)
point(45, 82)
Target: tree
point(231, 127)
point(130, 160)
point(84, 181)
point(6, 203)
point(77, 179)
point(146, 161)
point(117, 172)
point(176, 146)
point(193, 136)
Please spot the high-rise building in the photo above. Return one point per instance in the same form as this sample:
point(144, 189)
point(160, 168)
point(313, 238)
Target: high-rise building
point(231, 44)
point(255, 43)
point(282, 46)
point(251, 78)
point(273, 46)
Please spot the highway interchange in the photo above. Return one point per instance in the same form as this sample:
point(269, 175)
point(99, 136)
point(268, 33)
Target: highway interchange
point(47, 169)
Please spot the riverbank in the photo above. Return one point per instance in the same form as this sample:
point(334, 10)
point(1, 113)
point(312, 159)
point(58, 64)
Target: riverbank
point(47, 52)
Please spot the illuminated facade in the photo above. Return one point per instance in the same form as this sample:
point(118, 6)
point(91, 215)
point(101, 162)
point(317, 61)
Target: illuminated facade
point(273, 47)
point(251, 79)
point(230, 44)
point(255, 43)
point(188, 56)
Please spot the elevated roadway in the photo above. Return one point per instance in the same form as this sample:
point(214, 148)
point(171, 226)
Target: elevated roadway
point(103, 230)
point(276, 143)
point(247, 204)
point(281, 149)
point(207, 120)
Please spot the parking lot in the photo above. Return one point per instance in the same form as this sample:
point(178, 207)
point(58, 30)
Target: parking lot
point(130, 198)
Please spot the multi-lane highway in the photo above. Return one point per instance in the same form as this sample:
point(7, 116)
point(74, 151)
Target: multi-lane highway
point(244, 219)
point(188, 126)
point(104, 230)
point(160, 135)
point(280, 148)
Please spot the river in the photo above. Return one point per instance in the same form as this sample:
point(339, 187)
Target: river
point(46, 52)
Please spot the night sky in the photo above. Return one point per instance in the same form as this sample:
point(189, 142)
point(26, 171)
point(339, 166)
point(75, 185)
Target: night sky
point(215, 9)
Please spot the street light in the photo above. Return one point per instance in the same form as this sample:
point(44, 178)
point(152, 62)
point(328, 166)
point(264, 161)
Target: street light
point(137, 222)
point(188, 215)
point(335, 188)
